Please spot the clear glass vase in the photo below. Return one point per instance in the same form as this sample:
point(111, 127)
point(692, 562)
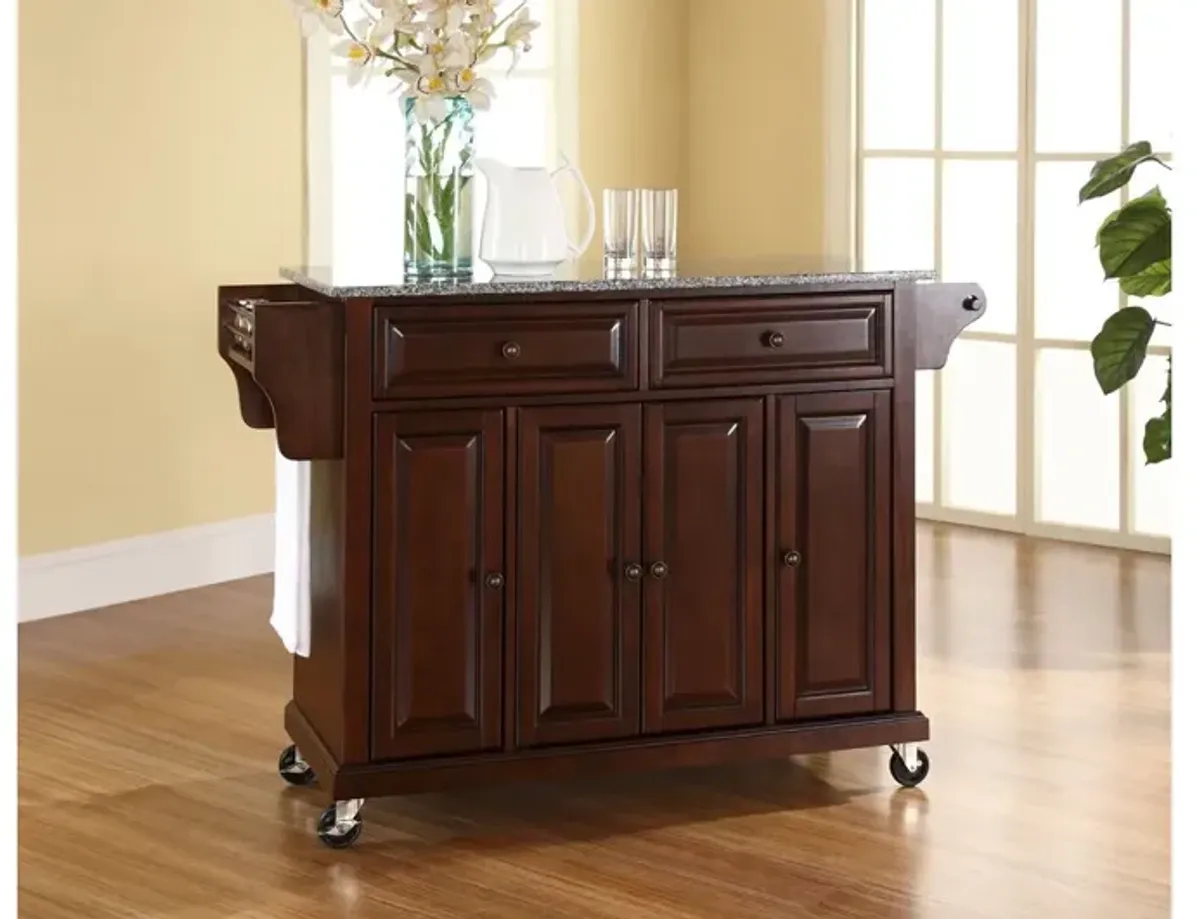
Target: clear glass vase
point(439, 179)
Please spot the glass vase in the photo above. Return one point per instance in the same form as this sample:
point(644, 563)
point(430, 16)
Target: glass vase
point(439, 179)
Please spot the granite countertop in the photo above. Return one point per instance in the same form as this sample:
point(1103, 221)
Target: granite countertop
point(360, 281)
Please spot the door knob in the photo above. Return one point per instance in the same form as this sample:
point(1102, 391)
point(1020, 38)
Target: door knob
point(659, 570)
point(494, 581)
point(634, 571)
point(792, 559)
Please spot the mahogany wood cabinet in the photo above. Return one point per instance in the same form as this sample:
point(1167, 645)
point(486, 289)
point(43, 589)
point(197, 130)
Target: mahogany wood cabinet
point(570, 527)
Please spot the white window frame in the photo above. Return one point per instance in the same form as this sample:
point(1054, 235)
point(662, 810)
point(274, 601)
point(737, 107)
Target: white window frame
point(320, 70)
point(844, 96)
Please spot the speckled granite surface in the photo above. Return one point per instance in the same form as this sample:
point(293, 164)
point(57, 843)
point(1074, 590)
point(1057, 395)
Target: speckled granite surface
point(389, 282)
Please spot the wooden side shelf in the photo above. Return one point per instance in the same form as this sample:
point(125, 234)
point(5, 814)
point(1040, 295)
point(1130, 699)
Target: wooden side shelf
point(287, 355)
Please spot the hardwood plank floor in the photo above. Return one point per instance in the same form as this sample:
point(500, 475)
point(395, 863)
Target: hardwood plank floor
point(149, 733)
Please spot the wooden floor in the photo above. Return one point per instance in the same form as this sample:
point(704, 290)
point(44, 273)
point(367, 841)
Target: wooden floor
point(149, 735)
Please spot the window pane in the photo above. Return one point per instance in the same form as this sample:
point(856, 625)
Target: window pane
point(516, 129)
point(1151, 485)
point(924, 413)
point(1077, 445)
point(1151, 100)
point(897, 214)
point(979, 426)
point(1078, 76)
point(367, 181)
point(980, 82)
point(1147, 176)
point(1071, 297)
point(979, 235)
point(898, 65)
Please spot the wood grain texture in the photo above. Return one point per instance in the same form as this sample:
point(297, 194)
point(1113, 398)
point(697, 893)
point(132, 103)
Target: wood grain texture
point(704, 514)
point(751, 339)
point(147, 785)
point(463, 349)
point(438, 621)
point(578, 614)
point(291, 329)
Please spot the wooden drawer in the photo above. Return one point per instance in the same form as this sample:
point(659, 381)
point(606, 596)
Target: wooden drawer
point(485, 350)
point(768, 340)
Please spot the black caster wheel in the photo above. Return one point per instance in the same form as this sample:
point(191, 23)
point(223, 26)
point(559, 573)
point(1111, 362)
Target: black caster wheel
point(335, 835)
point(293, 769)
point(901, 773)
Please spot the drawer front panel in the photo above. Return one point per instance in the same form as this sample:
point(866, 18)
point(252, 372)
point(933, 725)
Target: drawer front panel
point(526, 349)
point(767, 341)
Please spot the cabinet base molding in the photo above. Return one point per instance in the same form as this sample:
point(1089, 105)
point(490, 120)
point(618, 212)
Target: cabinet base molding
point(408, 777)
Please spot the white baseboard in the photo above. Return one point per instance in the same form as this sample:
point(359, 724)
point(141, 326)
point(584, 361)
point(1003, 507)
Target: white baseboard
point(57, 583)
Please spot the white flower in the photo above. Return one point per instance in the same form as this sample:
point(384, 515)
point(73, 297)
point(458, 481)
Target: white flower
point(394, 16)
point(482, 14)
point(518, 34)
point(359, 56)
point(430, 103)
point(324, 12)
point(444, 15)
point(478, 90)
point(454, 53)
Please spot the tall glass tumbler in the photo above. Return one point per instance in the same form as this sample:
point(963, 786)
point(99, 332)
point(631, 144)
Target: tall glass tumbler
point(620, 229)
point(660, 215)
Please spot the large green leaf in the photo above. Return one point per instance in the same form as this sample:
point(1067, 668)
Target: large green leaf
point(1136, 236)
point(1152, 281)
point(1119, 349)
point(1110, 174)
point(1156, 442)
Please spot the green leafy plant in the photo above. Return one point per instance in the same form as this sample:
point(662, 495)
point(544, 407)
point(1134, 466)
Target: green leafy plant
point(1134, 246)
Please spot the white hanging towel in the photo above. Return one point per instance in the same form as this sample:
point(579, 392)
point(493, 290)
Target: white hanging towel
point(291, 614)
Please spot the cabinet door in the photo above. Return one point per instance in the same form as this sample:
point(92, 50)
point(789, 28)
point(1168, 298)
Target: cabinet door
point(833, 554)
point(704, 555)
point(579, 614)
point(439, 598)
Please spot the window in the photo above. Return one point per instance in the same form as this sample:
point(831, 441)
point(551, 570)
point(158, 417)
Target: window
point(356, 140)
point(978, 122)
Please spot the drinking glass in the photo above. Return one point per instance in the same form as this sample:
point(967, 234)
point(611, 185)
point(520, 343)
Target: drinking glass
point(620, 229)
point(660, 213)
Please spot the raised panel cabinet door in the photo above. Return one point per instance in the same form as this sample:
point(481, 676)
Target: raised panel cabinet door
point(437, 634)
point(703, 645)
point(579, 573)
point(833, 558)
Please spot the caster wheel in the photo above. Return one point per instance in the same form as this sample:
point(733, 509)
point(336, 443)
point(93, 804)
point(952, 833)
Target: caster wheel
point(901, 773)
point(338, 836)
point(293, 769)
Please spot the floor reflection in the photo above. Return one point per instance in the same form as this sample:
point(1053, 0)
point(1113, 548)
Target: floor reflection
point(149, 733)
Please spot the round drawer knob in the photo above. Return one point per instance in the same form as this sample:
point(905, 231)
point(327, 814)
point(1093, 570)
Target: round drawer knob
point(634, 571)
point(511, 350)
point(494, 581)
point(792, 559)
point(659, 570)
point(775, 339)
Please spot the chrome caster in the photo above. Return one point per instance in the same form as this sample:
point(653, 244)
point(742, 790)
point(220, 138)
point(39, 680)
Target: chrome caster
point(340, 825)
point(293, 769)
point(909, 765)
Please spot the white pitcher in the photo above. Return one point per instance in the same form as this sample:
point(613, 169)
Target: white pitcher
point(524, 221)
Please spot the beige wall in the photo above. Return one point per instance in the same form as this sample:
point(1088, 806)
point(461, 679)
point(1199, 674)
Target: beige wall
point(728, 107)
point(160, 154)
point(754, 182)
point(166, 159)
point(633, 63)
